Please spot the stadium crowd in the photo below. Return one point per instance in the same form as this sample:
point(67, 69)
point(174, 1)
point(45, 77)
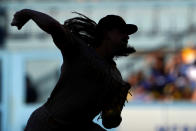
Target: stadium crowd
point(168, 77)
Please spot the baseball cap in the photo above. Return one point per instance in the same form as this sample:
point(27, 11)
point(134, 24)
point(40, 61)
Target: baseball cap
point(115, 21)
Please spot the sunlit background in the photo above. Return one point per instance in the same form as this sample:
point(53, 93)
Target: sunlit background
point(162, 71)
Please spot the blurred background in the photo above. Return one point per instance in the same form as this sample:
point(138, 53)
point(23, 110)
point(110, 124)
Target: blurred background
point(162, 71)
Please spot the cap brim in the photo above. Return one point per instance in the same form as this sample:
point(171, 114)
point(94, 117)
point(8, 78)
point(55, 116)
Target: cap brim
point(131, 28)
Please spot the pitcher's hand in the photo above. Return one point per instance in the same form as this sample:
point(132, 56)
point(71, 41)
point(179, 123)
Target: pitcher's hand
point(20, 18)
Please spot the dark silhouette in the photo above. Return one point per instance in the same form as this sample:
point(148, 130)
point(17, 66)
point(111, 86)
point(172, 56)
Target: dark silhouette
point(31, 93)
point(89, 83)
point(2, 26)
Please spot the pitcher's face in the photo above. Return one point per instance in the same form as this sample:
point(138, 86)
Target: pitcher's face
point(118, 38)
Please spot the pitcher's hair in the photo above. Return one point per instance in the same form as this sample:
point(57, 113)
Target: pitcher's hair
point(84, 28)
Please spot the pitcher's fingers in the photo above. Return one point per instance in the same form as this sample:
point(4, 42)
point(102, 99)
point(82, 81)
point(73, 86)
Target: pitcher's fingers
point(14, 22)
point(19, 27)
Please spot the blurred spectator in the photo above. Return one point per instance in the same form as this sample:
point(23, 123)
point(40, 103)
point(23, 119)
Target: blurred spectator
point(194, 96)
point(140, 87)
point(191, 74)
point(170, 78)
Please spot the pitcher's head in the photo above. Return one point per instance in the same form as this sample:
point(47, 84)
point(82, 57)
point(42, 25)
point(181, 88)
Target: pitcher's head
point(114, 29)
